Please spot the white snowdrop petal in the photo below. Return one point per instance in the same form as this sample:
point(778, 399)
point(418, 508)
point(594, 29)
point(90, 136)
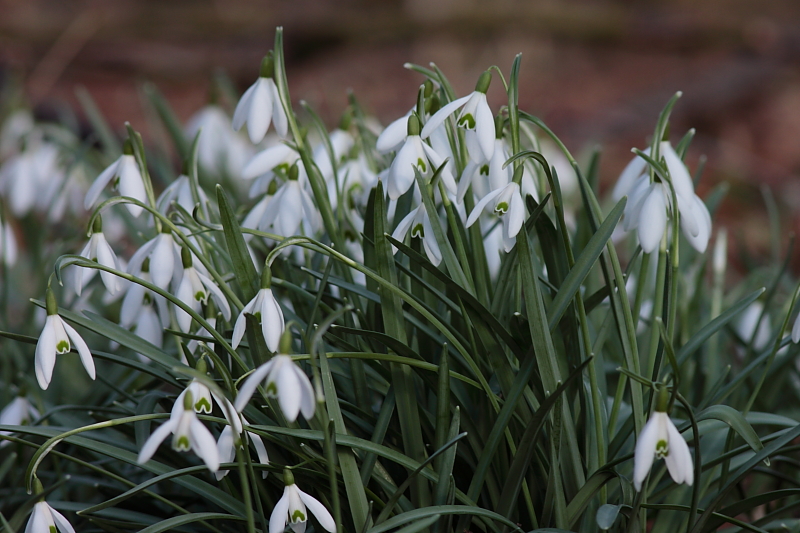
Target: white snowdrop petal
point(280, 514)
point(393, 136)
point(162, 261)
point(629, 175)
point(288, 391)
point(652, 220)
point(45, 356)
point(644, 454)
point(268, 159)
point(401, 173)
point(481, 205)
point(484, 127)
point(83, 350)
point(61, 523)
point(156, 438)
point(279, 118)
point(251, 384)
point(203, 444)
point(319, 511)
point(259, 113)
point(99, 184)
point(243, 108)
point(440, 116)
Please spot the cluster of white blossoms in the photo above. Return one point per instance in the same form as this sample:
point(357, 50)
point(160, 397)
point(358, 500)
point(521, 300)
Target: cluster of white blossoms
point(456, 153)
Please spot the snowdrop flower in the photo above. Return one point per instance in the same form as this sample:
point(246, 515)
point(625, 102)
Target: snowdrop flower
point(28, 175)
point(260, 105)
point(660, 438)
point(19, 412)
point(226, 444)
point(475, 117)
point(488, 175)
point(219, 149)
point(55, 340)
point(649, 203)
point(265, 308)
point(341, 144)
point(16, 127)
point(128, 180)
point(98, 250)
point(8, 244)
point(420, 225)
point(507, 203)
point(749, 320)
point(45, 519)
point(164, 255)
point(284, 381)
point(194, 289)
point(138, 310)
point(291, 206)
point(188, 433)
point(180, 192)
point(415, 155)
point(293, 507)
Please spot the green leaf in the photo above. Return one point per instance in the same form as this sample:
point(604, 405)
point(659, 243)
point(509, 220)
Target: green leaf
point(177, 521)
point(243, 267)
point(736, 421)
point(607, 515)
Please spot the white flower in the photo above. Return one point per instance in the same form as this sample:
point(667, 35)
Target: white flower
point(55, 340)
point(747, 322)
point(164, 257)
point(475, 117)
point(415, 154)
point(660, 438)
point(138, 310)
point(284, 381)
point(649, 203)
point(188, 433)
point(28, 176)
point(219, 149)
point(507, 203)
point(260, 105)
point(129, 181)
point(288, 208)
point(226, 443)
point(486, 176)
point(265, 308)
point(420, 224)
point(19, 412)
point(45, 519)
point(180, 191)
point(98, 250)
point(8, 244)
point(18, 125)
point(292, 509)
point(195, 289)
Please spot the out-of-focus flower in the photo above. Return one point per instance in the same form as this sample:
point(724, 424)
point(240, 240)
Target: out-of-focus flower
point(98, 250)
point(8, 244)
point(260, 105)
point(19, 412)
point(219, 150)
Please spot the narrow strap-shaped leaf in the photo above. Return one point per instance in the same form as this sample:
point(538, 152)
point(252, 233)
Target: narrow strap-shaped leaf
point(736, 421)
point(177, 521)
point(243, 267)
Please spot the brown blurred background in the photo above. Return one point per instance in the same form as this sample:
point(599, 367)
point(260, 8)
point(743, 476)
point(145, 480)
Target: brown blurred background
point(598, 72)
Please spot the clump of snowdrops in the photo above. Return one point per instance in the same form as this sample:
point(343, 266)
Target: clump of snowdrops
point(441, 325)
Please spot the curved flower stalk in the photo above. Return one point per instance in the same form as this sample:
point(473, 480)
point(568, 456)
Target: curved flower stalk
point(98, 250)
point(475, 117)
point(261, 105)
point(219, 149)
point(128, 181)
point(8, 244)
point(419, 223)
point(414, 156)
point(188, 433)
point(265, 308)
point(194, 289)
point(19, 412)
point(650, 203)
point(292, 509)
point(55, 340)
point(506, 203)
point(284, 381)
point(661, 439)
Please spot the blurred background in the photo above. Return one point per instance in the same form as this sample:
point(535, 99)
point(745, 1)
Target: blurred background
point(598, 72)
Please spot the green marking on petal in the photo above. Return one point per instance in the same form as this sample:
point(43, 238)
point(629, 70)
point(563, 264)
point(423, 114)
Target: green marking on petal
point(53, 529)
point(147, 299)
point(418, 231)
point(501, 208)
point(421, 164)
point(202, 406)
point(257, 314)
point(62, 347)
point(662, 449)
point(467, 121)
point(298, 516)
point(182, 443)
point(272, 389)
point(199, 296)
point(484, 170)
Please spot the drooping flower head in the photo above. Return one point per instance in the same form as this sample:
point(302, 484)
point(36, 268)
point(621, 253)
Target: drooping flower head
point(98, 250)
point(293, 507)
point(661, 439)
point(506, 202)
point(261, 105)
point(55, 340)
point(127, 180)
point(420, 225)
point(266, 309)
point(45, 519)
point(194, 289)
